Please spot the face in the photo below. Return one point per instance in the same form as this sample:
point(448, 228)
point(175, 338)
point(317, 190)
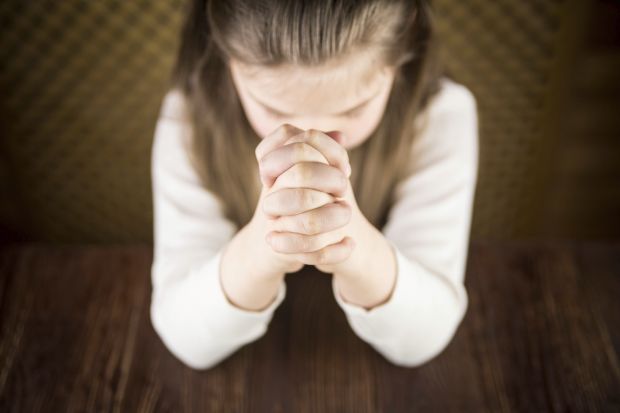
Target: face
point(349, 96)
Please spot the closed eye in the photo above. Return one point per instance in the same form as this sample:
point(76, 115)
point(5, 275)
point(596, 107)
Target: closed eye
point(275, 114)
point(354, 113)
point(349, 114)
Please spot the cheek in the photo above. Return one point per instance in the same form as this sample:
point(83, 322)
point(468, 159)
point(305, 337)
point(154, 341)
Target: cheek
point(360, 129)
point(257, 118)
point(260, 122)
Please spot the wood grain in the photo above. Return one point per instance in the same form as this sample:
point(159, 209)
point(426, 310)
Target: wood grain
point(540, 334)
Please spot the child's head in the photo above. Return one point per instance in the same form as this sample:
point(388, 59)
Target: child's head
point(349, 96)
point(365, 68)
point(316, 64)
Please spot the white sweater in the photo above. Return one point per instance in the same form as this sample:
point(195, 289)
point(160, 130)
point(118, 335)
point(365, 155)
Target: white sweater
point(428, 226)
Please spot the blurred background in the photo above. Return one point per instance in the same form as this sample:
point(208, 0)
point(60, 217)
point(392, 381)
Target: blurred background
point(81, 83)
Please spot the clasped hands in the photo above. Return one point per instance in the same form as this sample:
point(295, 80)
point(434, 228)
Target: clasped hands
point(308, 200)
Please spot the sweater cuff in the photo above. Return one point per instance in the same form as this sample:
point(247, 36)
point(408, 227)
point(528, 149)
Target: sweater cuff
point(414, 293)
point(233, 322)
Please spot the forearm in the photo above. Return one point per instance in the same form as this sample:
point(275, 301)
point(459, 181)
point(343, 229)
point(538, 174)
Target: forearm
point(194, 318)
point(418, 320)
point(247, 280)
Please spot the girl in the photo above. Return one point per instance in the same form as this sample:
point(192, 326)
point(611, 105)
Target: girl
point(317, 133)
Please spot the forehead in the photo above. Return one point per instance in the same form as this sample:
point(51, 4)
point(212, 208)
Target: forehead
point(331, 86)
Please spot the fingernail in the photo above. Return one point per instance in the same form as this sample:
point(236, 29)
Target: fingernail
point(348, 171)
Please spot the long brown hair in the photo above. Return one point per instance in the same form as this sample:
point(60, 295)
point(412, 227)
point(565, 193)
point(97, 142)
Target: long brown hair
point(309, 33)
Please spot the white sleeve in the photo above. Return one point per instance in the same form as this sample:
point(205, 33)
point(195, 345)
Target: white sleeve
point(428, 227)
point(189, 310)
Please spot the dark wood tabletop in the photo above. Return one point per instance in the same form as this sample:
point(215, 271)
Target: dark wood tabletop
point(540, 335)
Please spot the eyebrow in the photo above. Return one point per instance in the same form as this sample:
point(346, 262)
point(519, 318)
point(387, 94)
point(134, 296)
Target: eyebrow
point(344, 112)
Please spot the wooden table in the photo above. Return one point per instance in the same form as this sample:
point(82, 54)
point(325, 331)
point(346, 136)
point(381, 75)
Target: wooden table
point(541, 334)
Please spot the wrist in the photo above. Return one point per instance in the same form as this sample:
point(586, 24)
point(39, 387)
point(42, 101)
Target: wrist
point(265, 264)
point(363, 257)
point(243, 284)
point(372, 281)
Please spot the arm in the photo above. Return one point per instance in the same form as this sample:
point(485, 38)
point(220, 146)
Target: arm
point(198, 322)
point(411, 299)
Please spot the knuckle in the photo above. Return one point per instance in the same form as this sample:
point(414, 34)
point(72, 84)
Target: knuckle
point(325, 222)
point(309, 224)
point(312, 133)
point(295, 174)
point(289, 130)
point(312, 242)
point(305, 198)
point(284, 128)
point(303, 243)
point(322, 256)
point(286, 195)
point(302, 173)
point(300, 151)
point(280, 243)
